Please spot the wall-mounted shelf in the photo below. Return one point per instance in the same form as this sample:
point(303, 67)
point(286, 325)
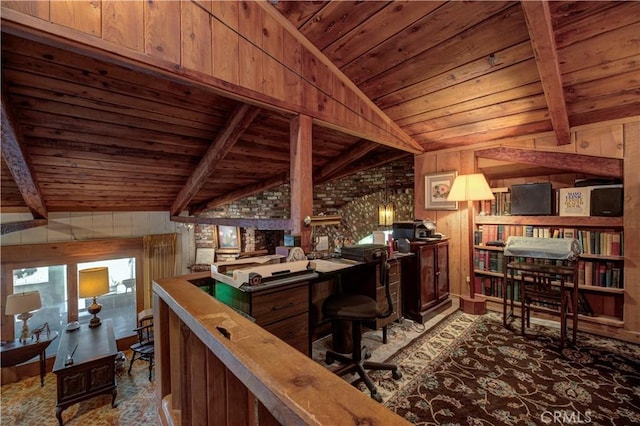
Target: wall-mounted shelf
point(568, 221)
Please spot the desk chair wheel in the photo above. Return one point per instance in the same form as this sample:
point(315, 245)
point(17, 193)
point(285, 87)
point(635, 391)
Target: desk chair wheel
point(376, 396)
point(396, 374)
point(328, 359)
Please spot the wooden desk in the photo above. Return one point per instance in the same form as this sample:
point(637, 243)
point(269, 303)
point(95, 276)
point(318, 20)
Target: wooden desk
point(93, 370)
point(14, 353)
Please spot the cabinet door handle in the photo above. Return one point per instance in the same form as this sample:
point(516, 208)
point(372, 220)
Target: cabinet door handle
point(278, 307)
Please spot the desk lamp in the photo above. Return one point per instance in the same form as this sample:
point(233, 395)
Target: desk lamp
point(94, 282)
point(23, 304)
point(470, 188)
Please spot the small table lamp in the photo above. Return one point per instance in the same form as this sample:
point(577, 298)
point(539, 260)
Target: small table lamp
point(470, 188)
point(23, 304)
point(94, 282)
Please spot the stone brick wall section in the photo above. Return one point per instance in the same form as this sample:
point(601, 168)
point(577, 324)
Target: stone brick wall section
point(355, 198)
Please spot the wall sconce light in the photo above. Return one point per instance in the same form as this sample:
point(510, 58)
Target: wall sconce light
point(94, 282)
point(22, 304)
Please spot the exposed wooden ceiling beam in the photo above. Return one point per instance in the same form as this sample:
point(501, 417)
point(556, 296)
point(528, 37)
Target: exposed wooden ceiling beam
point(7, 228)
point(263, 224)
point(240, 193)
point(343, 161)
point(540, 28)
point(18, 163)
point(238, 122)
point(611, 167)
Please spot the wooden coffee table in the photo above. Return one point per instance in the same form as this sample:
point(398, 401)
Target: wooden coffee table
point(92, 372)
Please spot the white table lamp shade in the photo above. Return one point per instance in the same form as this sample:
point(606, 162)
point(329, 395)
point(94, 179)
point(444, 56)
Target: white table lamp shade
point(20, 303)
point(472, 187)
point(93, 282)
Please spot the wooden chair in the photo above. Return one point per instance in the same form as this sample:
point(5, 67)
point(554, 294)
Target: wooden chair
point(144, 348)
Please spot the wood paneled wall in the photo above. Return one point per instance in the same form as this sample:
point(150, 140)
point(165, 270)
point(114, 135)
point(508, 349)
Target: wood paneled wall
point(244, 50)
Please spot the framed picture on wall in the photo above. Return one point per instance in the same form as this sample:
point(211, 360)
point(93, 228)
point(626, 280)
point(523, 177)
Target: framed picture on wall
point(436, 191)
point(228, 239)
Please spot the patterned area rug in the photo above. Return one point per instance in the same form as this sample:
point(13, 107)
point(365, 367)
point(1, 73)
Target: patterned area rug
point(470, 370)
point(27, 403)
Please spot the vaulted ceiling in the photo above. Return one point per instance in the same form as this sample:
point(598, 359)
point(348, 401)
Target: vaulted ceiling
point(85, 132)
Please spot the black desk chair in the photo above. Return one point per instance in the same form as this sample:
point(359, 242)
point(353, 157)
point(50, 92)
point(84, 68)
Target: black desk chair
point(357, 309)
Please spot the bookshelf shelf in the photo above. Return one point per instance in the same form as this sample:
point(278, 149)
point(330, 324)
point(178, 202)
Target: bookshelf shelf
point(495, 304)
point(563, 221)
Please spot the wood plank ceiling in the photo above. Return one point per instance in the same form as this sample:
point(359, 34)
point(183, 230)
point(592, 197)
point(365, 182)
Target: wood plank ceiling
point(98, 136)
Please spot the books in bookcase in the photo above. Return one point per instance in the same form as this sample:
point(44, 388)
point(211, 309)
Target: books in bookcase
point(499, 206)
point(600, 274)
point(593, 242)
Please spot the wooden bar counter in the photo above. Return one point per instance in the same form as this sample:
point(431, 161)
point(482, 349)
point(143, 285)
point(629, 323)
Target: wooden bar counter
point(214, 366)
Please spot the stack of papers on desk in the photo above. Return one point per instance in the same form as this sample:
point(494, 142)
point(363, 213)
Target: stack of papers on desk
point(324, 266)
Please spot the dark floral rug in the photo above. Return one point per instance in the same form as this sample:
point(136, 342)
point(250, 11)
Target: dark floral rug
point(470, 370)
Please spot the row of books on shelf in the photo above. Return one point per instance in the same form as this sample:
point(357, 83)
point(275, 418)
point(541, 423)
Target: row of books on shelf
point(499, 206)
point(597, 242)
point(493, 287)
point(600, 274)
point(590, 273)
point(493, 260)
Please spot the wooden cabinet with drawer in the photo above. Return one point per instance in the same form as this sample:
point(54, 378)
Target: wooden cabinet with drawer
point(281, 310)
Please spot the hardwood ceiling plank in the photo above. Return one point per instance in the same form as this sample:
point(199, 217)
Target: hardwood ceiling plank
point(607, 47)
point(59, 122)
point(449, 21)
point(496, 98)
point(487, 136)
point(18, 161)
point(515, 76)
point(604, 70)
point(374, 30)
point(76, 174)
point(110, 156)
point(299, 12)
point(239, 121)
point(104, 102)
point(112, 166)
point(53, 147)
point(480, 114)
point(337, 18)
point(607, 17)
point(609, 86)
point(47, 61)
point(64, 136)
point(594, 111)
point(507, 121)
point(475, 69)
